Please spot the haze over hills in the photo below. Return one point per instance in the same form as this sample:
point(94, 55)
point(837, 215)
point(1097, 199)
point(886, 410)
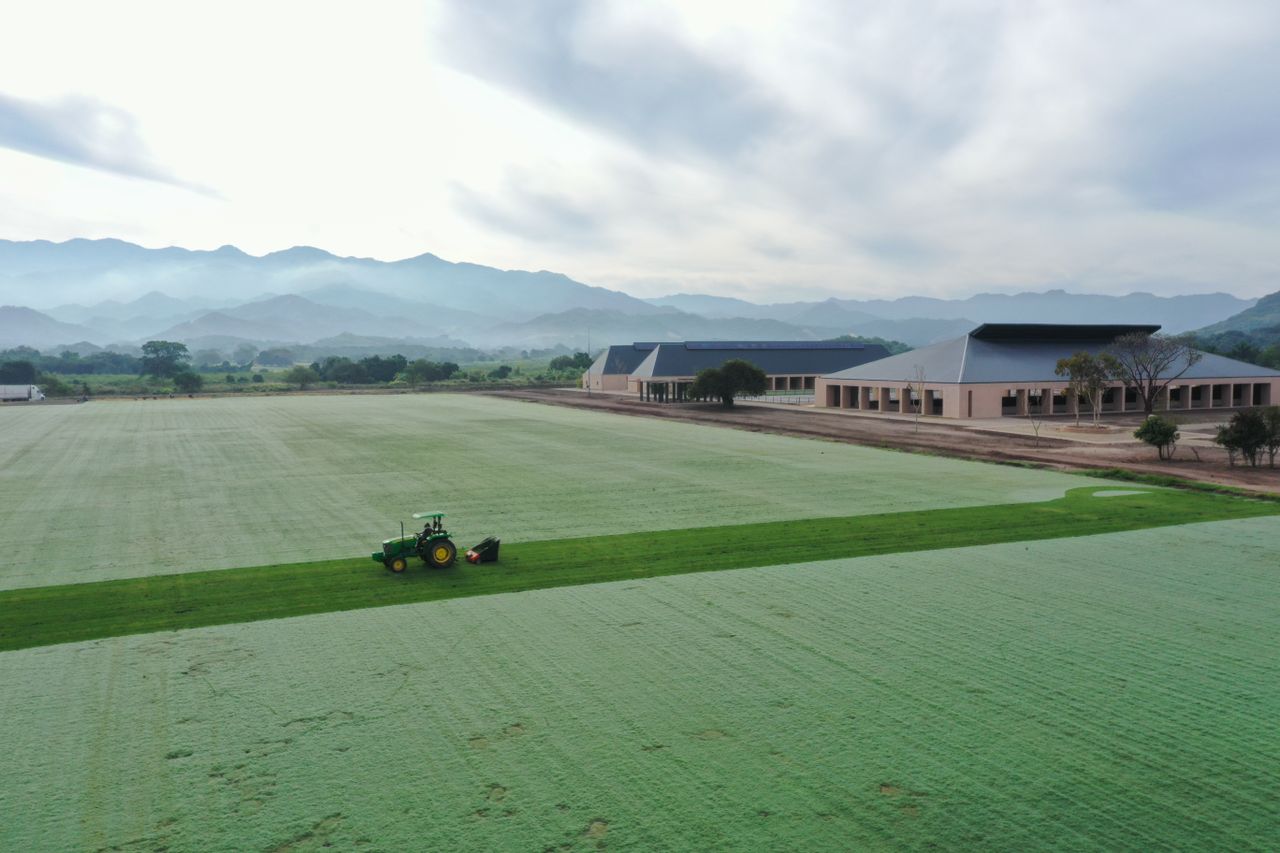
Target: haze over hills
point(113, 292)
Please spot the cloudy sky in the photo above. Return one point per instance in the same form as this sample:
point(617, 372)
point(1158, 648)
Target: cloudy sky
point(758, 149)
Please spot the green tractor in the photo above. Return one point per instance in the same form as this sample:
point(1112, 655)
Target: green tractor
point(432, 545)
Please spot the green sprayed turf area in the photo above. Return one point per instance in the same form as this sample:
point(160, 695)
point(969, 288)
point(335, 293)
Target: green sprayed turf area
point(46, 615)
point(114, 489)
point(1114, 692)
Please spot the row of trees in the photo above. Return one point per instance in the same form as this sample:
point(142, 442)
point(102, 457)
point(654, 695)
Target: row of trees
point(1146, 363)
point(70, 363)
point(368, 371)
point(1248, 436)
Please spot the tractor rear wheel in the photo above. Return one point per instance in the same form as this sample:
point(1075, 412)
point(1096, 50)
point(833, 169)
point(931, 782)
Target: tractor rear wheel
point(441, 554)
point(398, 564)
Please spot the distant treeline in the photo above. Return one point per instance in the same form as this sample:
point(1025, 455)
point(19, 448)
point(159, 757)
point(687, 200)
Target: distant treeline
point(1259, 346)
point(71, 364)
point(894, 347)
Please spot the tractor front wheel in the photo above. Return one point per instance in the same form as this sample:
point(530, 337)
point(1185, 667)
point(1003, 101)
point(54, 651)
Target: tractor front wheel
point(441, 554)
point(398, 564)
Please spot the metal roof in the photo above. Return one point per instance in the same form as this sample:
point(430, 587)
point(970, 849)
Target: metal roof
point(1057, 331)
point(775, 358)
point(621, 358)
point(971, 359)
point(718, 345)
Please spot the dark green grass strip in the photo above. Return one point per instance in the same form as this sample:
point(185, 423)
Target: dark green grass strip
point(59, 614)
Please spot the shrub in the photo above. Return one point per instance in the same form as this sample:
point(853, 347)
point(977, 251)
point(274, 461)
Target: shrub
point(188, 382)
point(1160, 433)
point(1246, 434)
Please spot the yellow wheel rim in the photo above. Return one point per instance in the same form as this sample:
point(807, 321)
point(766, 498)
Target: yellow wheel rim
point(442, 554)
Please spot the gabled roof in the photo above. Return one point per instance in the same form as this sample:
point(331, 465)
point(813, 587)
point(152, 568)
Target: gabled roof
point(775, 358)
point(620, 358)
point(1020, 358)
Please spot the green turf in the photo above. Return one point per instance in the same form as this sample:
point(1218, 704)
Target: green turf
point(113, 489)
point(47, 615)
point(1115, 692)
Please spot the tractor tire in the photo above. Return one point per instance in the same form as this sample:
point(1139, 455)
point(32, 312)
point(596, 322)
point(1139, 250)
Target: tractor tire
point(397, 564)
point(441, 554)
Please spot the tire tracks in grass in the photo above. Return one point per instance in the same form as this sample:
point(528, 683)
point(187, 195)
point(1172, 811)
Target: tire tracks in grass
point(41, 616)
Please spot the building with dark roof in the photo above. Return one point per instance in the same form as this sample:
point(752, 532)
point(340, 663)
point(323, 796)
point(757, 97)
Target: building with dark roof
point(669, 368)
point(610, 370)
point(1007, 369)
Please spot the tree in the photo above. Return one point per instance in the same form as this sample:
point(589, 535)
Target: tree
point(206, 358)
point(734, 378)
point(275, 357)
point(500, 372)
point(382, 369)
point(1271, 415)
point(1089, 377)
point(162, 359)
point(258, 377)
point(578, 361)
point(244, 354)
point(188, 382)
point(302, 376)
point(17, 373)
point(1150, 363)
point(917, 385)
point(1247, 433)
point(1160, 433)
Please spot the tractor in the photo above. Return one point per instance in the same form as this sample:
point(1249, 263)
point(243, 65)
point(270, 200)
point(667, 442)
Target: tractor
point(432, 545)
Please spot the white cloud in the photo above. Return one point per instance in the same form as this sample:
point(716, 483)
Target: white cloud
point(763, 149)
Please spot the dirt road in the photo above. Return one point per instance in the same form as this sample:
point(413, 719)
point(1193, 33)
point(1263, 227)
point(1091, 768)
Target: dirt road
point(928, 437)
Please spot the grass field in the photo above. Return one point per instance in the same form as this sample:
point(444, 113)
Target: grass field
point(1110, 692)
point(36, 616)
point(118, 489)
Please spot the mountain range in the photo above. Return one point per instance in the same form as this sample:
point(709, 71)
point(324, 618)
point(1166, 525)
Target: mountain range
point(114, 292)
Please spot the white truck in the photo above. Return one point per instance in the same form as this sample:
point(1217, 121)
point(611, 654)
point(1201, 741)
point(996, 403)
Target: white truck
point(15, 393)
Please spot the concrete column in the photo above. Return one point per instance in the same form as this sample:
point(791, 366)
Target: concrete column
point(864, 397)
point(1023, 404)
point(1120, 392)
point(1073, 404)
point(926, 403)
point(884, 399)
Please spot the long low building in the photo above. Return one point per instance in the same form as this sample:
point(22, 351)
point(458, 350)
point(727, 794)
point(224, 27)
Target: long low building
point(1007, 369)
point(669, 369)
point(664, 371)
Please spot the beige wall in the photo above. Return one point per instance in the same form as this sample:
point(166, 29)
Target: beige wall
point(986, 400)
point(604, 382)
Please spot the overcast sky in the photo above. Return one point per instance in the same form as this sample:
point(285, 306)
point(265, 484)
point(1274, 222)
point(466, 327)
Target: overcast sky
point(766, 150)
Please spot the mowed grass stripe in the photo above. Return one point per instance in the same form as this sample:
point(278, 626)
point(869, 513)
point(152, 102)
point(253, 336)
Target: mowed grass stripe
point(57, 614)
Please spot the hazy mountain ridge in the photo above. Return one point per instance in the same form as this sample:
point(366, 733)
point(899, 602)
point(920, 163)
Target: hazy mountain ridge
point(303, 295)
point(1174, 313)
point(1264, 314)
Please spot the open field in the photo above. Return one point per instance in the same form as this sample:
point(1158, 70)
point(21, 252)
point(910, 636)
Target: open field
point(1012, 441)
point(1108, 692)
point(34, 616)
point(122, 489)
